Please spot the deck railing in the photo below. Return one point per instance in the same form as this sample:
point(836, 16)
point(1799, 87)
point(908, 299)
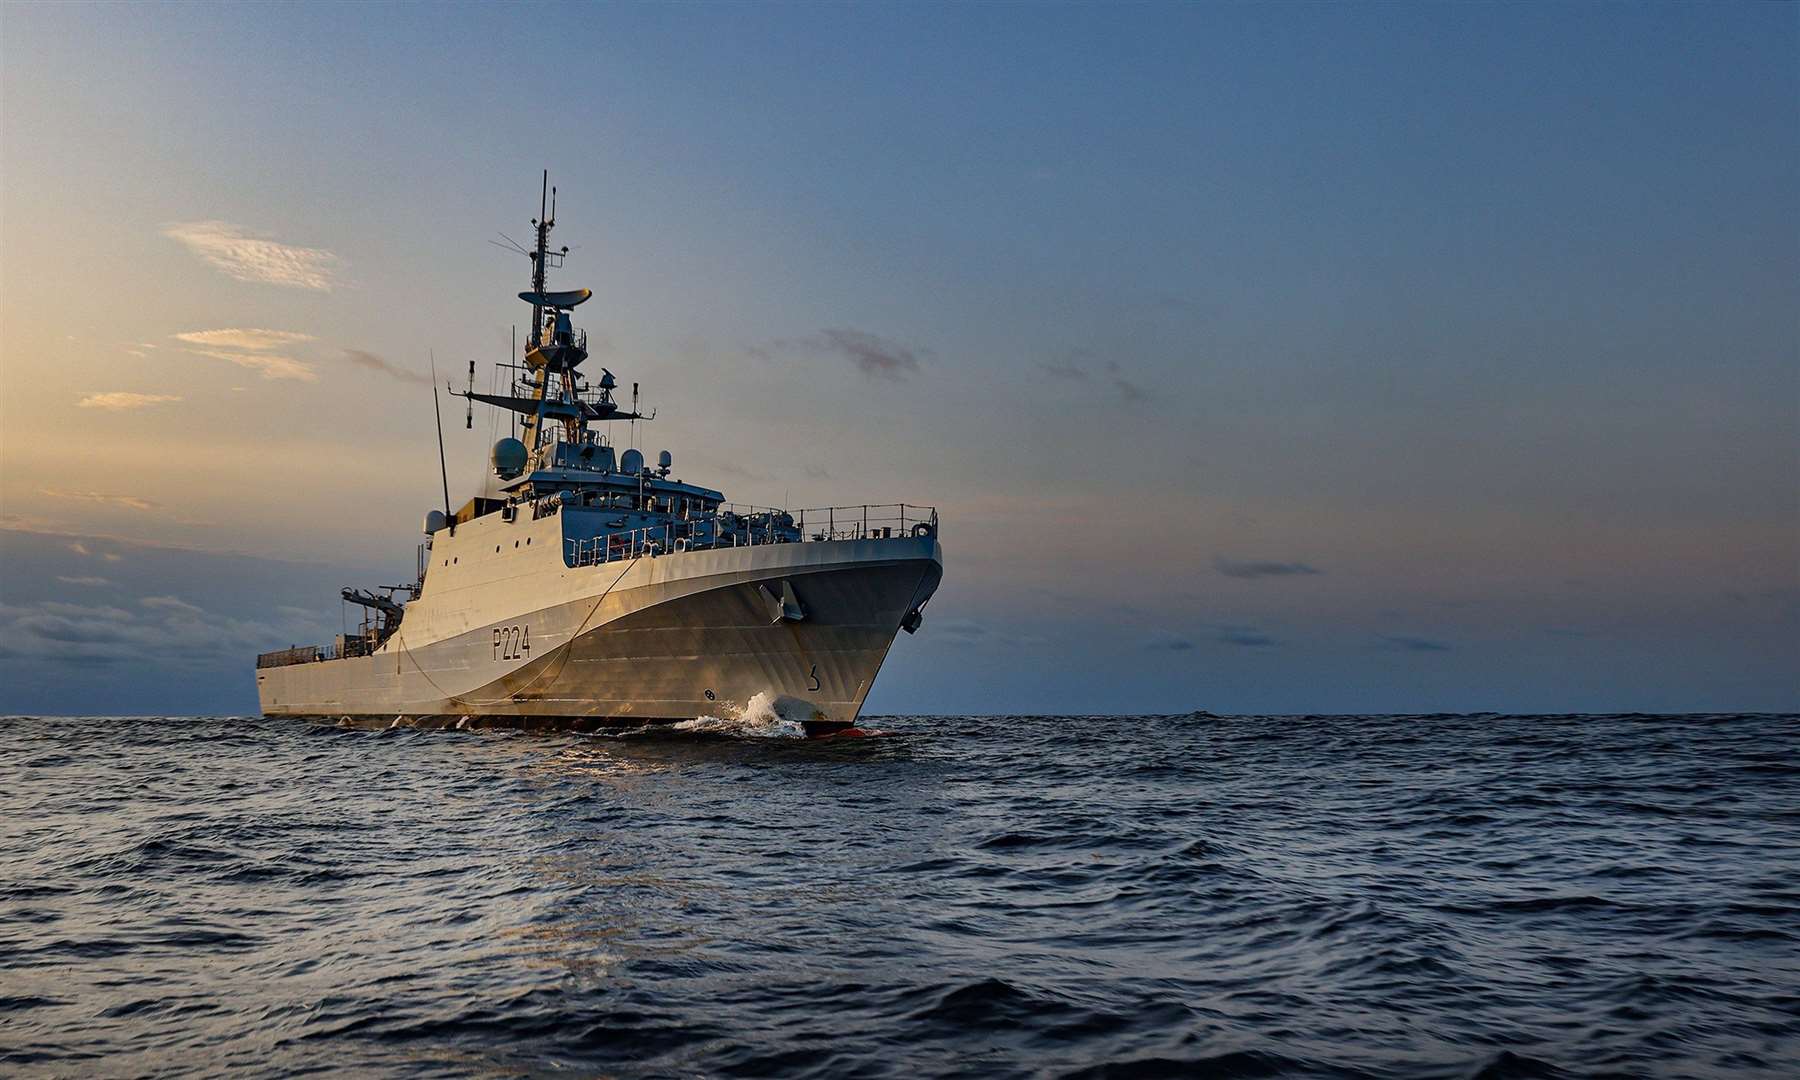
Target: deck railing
point(866, 522)
point(650, 540)
point(739, 525)
point(298, 654)
point(358, 645)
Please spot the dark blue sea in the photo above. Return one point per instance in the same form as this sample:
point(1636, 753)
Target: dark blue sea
point(1407, 896)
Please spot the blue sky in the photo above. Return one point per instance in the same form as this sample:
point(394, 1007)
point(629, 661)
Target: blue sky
point(1261, 358)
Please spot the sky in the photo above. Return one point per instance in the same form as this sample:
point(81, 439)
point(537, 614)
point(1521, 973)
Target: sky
point(1259, 359)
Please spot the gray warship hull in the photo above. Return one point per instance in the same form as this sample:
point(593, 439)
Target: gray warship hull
point(654, 638)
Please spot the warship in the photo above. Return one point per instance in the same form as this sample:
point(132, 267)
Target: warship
point(584, 587)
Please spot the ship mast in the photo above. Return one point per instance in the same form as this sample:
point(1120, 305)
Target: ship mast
point(537, 266)
point(544, 222)
point(553, 347)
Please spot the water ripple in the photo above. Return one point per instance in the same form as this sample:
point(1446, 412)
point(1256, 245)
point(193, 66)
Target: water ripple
point(1423, 896)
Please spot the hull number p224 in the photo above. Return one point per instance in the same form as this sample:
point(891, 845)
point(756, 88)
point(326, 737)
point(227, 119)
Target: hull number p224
point(512, 642)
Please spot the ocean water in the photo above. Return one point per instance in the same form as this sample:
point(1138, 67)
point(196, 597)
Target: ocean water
point(1416, 896)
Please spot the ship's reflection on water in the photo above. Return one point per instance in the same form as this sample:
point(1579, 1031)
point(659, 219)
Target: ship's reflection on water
point(628, 868)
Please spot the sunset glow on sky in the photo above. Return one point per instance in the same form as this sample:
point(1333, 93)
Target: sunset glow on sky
point(1277, 359)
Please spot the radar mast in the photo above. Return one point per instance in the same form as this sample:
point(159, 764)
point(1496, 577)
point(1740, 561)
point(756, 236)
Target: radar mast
point(554, 349)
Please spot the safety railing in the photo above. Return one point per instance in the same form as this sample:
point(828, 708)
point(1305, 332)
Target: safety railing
point(867, 522)
point(299, 654)
point(574, 337)
point(651, 540)
point(738, 525)
point(359, 645)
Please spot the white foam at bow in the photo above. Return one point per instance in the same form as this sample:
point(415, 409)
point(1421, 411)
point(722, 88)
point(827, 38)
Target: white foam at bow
point(761, 719)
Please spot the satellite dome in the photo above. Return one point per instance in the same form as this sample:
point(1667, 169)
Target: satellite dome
point(434, 521)
point(665, 461)
point(508, 458)
point(631, 462)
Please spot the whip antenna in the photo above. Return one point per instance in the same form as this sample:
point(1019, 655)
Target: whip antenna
point(443, 469)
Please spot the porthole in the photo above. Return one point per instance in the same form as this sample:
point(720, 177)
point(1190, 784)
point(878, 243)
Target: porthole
point(458, 559)
point(528, 541)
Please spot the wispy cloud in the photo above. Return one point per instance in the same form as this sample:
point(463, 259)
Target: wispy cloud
point(237, 337)
point(960, 629)
point(367, 359)
point(245, 256)
point(130, 502)
point(87, 580)
point(1066, 371)
point(873, 356)
point(1076, 369)
point(733, 468)
point(1414, 644)
point(1262, 568)
point(80, 548)
point(253, 348)
point(121, 400)
point(1243, 637)
point(1128, 390)
point(972, 634)
point(1246, 637)
point(171, 603)
point(268, 365)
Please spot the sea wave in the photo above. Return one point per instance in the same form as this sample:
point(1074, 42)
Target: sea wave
point(1030, 896)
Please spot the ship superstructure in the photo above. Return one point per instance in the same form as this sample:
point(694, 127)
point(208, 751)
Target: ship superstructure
point(588, 587)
